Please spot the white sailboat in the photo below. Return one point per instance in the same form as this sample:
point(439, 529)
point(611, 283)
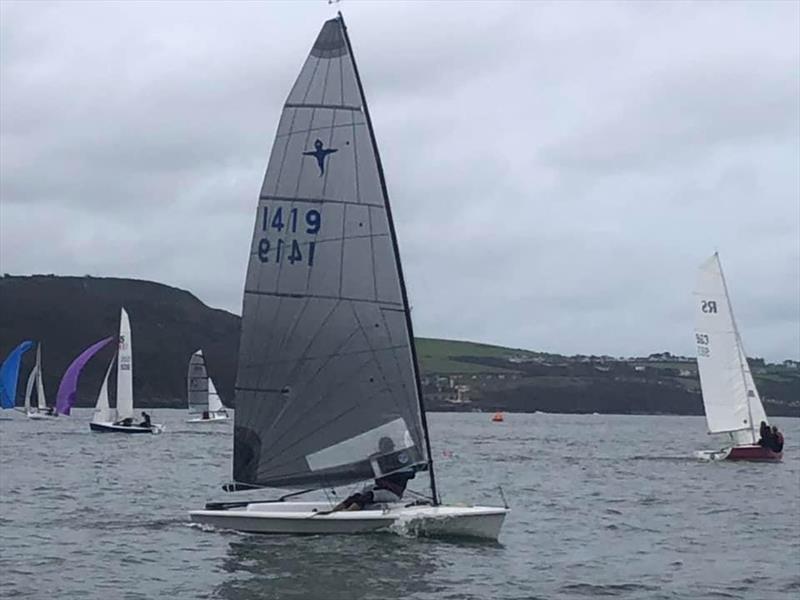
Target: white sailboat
point(121, 419)
point(328, 390)
point(205, 405)
point(732, 404)
point(41, 410)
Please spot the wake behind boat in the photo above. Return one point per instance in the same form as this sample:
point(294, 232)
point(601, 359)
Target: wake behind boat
point(205, 405)
point(328, 390)
point(732, 403)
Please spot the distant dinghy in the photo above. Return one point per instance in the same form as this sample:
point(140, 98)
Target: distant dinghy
point(205, 405)
point(732, 403)
point(121, 419)
point(35, 383)
point(9, 375)
point(327, 389)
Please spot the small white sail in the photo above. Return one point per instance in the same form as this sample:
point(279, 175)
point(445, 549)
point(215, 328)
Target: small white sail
point(125, 369)
point(29, 388)
point(214, 401)
point(103, 413)
point(730, 396)
point(40, 397)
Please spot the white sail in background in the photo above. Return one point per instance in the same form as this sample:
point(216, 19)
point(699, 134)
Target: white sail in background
point(731, 400)
point(103, 413)
point(214, 401)
point(35, 378)
point(29, 388)
point(125, 369)
point(41, 400)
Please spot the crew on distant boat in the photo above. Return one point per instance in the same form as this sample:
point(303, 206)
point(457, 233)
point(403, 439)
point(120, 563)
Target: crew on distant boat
point(385, 490)
point(770, 437)
point(145, 420)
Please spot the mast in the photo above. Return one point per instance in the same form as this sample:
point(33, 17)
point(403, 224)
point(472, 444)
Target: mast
point(396, 249)
point(740, 349)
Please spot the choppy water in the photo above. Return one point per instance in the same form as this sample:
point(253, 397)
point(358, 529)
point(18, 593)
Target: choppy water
point(610, 506)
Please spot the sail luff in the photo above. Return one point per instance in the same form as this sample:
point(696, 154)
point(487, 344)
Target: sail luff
point(395, 245)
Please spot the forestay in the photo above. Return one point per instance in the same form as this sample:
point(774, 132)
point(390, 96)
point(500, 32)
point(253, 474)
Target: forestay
point(197, 384)
point(731, 400)
point(326, 391)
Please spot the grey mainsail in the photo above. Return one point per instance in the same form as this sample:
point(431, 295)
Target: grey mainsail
point(197, 384)
point(327, 388)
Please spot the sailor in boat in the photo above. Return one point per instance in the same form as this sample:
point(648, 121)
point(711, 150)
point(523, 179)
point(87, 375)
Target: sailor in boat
point(126, 422)
point(145, 421)
point(770, 437)
point(206, 416)
point(777, 439)
point(386, 490)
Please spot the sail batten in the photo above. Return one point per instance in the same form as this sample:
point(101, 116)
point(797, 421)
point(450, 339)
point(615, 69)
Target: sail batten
point(731, 399)
point(326, 387)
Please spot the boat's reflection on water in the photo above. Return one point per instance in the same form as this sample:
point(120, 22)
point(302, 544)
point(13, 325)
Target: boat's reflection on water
point(327, 567)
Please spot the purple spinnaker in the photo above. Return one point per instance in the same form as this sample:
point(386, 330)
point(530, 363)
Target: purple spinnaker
point(67, 389)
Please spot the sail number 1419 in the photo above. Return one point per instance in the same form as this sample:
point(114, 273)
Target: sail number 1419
point(285, 224)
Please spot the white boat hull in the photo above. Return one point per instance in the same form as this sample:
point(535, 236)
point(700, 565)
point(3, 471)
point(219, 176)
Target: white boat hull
point(102, 427)
point(40, 416)
point(310, 518)
point(220, 419)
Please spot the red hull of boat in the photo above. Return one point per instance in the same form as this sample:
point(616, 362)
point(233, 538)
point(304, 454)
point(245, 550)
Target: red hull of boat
point(755, 453)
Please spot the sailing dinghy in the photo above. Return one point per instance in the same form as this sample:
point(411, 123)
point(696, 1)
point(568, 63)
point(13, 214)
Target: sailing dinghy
point(328, 390)
point(41, 410)
point(9, 375)
point(730, 397)
point(205, 405)
point(121, 420)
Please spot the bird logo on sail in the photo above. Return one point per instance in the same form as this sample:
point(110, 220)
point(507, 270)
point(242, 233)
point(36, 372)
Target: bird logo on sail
point(320, 153)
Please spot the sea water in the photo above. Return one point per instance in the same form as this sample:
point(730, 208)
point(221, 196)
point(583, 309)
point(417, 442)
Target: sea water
point(602, 506)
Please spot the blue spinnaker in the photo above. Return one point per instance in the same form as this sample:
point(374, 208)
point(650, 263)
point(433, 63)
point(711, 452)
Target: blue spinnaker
point(9, 373)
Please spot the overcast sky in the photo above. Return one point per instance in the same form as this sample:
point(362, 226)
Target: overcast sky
point(557, 170)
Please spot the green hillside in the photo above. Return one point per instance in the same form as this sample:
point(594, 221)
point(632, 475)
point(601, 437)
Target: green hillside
point(443, 356)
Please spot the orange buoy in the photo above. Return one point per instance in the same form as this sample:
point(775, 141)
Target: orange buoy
point(497, 417)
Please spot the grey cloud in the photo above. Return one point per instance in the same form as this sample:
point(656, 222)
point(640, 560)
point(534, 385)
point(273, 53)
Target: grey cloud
point(557, 170)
